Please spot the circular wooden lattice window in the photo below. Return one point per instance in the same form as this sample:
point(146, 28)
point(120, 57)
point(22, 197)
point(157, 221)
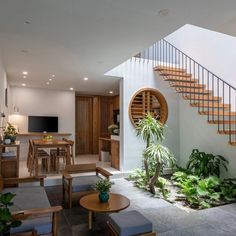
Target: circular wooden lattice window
point(148, 100)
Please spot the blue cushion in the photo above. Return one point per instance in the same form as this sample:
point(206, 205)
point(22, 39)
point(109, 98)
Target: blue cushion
point(42, 225)
point(84, 183)
point(31, 197)
point(129, 223)
point(28, 198)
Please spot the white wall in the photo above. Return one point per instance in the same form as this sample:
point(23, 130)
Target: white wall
point(3, 86)
point(42, 103)
point(136, 75)
point(215, 51)
point(195, 132)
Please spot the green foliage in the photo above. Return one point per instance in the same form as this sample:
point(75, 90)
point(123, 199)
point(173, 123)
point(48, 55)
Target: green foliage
point(140, 178)
point(228, 189)
point(162, 186)
point(141, 181)
point(150, 129)
point(205, 193)
point(206, 164)
point(103, 185)
point(155, 156)
point(6, 220)
point(159, 154)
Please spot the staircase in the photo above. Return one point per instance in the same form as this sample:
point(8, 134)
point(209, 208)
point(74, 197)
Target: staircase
point(211, 95)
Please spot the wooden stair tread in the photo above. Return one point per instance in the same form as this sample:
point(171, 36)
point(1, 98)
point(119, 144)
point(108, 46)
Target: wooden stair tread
point(179, 79)
point(216, 113)
point(187, 84)
point(193, 91)
point(173, 73)
point(168, 68)
point(201, 97)
point(227, 132)
point(211, 105)
point(221, 122)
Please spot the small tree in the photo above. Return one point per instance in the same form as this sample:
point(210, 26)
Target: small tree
point(152, 132)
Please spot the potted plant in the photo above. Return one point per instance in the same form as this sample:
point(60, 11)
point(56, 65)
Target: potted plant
point(10, 132)
point(6, 220)
point(113, 129)
point(103, 187)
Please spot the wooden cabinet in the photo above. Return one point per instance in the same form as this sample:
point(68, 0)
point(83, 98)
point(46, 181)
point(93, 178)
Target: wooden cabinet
point(9, 165)
point(115, 154)
point(116, 102)
point(113, 146)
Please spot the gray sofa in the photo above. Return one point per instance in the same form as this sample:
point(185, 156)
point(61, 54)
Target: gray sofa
point(31, 205)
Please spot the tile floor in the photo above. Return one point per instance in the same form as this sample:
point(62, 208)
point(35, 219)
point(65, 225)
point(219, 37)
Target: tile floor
point(168, 220)
point(78, 160)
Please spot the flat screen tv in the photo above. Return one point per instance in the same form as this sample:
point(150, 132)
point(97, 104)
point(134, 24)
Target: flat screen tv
point(42, 124)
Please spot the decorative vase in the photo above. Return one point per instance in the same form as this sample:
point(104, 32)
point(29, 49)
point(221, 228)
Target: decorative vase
point(13, 138)
point(7, 141)
point(103, 196)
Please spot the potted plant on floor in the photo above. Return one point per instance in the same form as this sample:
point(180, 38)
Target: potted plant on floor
point(6, 220)
point(103, 187)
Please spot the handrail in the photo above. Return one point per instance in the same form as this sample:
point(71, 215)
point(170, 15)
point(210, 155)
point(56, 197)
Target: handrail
point(199, 64)
point(213, 96)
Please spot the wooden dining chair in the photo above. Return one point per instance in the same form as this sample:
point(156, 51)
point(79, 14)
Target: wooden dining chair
point(58, 154)
point(41, 155)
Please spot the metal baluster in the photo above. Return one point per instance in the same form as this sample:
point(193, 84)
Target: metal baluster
point(223, 106)
point(230, 115)
point(208, 109)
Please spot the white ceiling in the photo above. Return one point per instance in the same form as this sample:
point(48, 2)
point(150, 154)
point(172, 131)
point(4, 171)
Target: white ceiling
point(74, 39)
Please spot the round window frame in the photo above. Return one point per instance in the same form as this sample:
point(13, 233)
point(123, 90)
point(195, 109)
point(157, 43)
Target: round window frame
point(161, 99)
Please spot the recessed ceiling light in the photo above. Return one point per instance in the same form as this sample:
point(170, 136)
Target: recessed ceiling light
point(47, 83)
point(71, 89)
point(111, 92)
point(25, 72)
point(24, 76)
point(53, 76)
point(85, 78)
point(24, 51)
point(163, 12)
point(23, 84)
point(50, 79)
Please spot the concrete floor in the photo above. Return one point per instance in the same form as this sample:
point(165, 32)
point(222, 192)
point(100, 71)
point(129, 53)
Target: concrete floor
point(168, 220)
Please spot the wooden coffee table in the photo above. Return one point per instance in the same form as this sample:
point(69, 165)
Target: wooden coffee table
point(116, 202)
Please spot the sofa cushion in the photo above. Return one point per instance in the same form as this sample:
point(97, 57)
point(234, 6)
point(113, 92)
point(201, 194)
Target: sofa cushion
point(42, 225)
point(84, 183)
point(122, 224)
point(28, 198)
point(31, 197)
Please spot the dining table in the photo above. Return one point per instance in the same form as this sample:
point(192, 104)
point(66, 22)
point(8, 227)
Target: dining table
point(54, 143)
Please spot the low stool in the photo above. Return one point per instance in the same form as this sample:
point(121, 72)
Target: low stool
point(129, 223)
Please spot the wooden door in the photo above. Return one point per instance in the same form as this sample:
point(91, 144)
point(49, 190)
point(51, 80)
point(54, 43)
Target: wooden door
point(84, 125)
